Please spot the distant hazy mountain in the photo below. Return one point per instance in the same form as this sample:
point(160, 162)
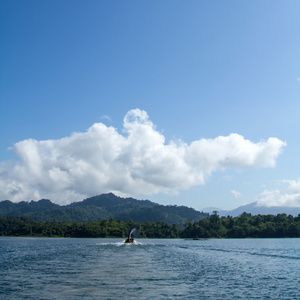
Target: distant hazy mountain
point(254, 209)
point(102, 207)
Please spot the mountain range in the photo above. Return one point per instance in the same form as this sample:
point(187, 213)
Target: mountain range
point(105, 206)
point(110, 206)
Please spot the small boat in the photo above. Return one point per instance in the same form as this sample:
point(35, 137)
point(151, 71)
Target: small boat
point(129, 240)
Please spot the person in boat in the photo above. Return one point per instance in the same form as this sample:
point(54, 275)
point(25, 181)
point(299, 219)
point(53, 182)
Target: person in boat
point(129, 240)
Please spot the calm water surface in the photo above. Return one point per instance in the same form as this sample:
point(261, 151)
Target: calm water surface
point(48, 268)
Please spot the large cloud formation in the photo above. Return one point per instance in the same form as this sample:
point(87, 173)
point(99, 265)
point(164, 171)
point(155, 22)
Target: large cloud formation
point(139, 161)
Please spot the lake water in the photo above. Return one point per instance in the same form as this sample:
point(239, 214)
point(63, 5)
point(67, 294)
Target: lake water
point(50, 268)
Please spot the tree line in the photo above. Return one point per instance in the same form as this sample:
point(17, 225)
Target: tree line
point(244, 226)
point(24, 226)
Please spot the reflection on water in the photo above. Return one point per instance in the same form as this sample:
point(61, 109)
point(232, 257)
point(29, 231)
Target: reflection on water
point(45, 268)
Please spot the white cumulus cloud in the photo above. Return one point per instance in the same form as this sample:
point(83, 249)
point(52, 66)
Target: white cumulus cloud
point(290, 197)
point(136, 161)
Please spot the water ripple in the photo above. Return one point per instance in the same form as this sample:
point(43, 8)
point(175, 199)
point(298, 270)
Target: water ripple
point(149, 269)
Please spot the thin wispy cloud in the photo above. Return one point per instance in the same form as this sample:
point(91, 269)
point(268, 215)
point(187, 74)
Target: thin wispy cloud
point(105, 117)
point(138, 161)
point(236, 194)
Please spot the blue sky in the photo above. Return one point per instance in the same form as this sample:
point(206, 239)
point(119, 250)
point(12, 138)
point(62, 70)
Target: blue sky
point(180, 72)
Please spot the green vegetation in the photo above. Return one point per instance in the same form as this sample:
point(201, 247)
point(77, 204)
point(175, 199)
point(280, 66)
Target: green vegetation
point(23, 226)
point(102, 207)
point(107, 215)
point(245, 226)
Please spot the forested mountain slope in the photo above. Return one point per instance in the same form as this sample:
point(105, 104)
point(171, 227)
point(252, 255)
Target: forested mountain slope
point(105, 206)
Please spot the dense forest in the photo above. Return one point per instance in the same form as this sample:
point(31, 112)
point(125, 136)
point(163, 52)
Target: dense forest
point(23, 226)
point(245, 226)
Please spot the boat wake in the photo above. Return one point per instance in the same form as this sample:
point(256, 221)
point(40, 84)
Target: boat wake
point(119, 243)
